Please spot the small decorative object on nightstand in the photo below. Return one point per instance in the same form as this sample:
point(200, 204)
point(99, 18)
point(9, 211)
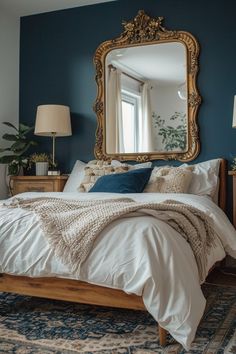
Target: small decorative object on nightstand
point(41, 161)
point(21, 184)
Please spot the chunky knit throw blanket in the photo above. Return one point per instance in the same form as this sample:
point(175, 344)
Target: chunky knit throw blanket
point(71, 226)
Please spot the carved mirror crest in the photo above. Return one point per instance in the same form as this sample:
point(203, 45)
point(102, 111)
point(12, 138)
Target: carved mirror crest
point(147, 99)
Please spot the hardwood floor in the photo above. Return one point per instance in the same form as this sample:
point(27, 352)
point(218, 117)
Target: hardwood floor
point(223, 276)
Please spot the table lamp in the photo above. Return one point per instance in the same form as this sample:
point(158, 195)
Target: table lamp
point(53, 120)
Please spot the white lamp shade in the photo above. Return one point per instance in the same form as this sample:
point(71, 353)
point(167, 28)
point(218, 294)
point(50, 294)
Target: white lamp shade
point(234, 113)
point(53, 119)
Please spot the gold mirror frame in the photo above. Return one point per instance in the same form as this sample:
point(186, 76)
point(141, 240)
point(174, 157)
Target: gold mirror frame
point(144, 30)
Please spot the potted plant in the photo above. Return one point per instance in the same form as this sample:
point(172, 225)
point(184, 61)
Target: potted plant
point(16, 158)
point(41, 161)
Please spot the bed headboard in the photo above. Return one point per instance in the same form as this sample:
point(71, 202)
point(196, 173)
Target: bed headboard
point(222, 184)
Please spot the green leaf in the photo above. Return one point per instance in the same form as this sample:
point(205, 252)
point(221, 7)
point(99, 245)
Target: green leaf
point(18, 146)
point(24, 129)
point(19, 158)
point(8, 158)
point(10, 125)
point(9, 137)
point(13, 169)
point(6, 149)
point(25, 149)
point(20, 143)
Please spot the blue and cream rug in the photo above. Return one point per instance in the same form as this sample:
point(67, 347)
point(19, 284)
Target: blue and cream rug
point(37, 326)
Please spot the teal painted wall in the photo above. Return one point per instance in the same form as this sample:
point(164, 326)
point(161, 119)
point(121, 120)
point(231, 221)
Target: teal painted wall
point(56, 66)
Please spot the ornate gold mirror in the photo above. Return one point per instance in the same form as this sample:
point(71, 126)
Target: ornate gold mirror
point(147, 98)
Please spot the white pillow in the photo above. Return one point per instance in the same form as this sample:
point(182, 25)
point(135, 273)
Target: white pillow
point(116, 163)
point(205, 180)
point(76, 177)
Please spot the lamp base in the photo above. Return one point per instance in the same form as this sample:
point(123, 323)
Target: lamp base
point(53, 173)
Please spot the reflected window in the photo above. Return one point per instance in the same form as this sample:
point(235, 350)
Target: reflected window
point(130, 120)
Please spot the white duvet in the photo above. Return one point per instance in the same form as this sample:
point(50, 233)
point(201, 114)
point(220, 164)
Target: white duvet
point(140, 255)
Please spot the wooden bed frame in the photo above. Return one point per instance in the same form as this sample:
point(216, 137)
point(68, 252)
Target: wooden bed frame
point(81, 292)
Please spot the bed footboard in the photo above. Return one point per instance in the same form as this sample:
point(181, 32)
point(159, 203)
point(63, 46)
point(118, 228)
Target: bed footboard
point(74, 291)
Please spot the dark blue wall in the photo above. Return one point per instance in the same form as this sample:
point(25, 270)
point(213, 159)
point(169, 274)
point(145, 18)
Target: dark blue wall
point(56, 66)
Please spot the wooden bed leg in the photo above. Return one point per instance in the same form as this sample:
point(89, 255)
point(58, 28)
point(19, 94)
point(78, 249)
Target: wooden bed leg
point(162, 336)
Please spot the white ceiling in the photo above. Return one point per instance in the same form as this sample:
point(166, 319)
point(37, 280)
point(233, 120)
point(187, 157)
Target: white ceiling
point(163, 62)
point(30, 7)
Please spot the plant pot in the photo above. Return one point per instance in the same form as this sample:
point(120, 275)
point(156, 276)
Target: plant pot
point(41, 168)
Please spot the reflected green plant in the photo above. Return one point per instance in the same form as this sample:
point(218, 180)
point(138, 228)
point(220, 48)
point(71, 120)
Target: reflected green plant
point(173, 138)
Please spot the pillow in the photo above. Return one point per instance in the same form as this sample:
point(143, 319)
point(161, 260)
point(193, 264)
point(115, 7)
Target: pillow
point(133, 181)
point(117, 163)
point(169, 180)
point(76, 177)
point(96, 169)
point(205, 179)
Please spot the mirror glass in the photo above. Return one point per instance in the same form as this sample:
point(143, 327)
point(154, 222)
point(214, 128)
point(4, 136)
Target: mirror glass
point(146, 99)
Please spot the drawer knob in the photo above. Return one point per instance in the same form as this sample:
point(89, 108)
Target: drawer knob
point(35, 189)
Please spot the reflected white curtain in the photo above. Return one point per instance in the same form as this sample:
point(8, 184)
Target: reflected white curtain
point(146, 143)
point(114, 135)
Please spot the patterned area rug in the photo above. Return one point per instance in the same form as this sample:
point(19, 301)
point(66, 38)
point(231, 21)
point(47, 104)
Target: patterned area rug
point(38, 326)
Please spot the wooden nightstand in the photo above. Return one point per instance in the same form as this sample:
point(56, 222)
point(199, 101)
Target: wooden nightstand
point(21, 184)
point(233, 173)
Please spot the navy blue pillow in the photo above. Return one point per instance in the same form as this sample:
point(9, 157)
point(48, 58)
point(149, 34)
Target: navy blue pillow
point(133, 181)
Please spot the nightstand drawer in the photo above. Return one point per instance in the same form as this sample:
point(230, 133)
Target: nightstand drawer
point(22, 184)
point(22, 187)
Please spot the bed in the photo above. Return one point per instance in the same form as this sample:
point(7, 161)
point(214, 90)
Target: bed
point(133, 287)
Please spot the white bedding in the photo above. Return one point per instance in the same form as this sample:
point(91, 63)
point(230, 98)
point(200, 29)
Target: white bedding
point(139, 255)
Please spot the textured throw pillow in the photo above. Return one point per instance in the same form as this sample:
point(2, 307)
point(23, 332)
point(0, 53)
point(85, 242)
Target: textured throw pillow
point(96, 169)
point(133, 181)
point(169, 180)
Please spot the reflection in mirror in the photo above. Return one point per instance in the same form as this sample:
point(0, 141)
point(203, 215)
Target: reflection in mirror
point(146, 99)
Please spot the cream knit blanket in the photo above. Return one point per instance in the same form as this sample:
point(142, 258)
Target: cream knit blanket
point(71, 226)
